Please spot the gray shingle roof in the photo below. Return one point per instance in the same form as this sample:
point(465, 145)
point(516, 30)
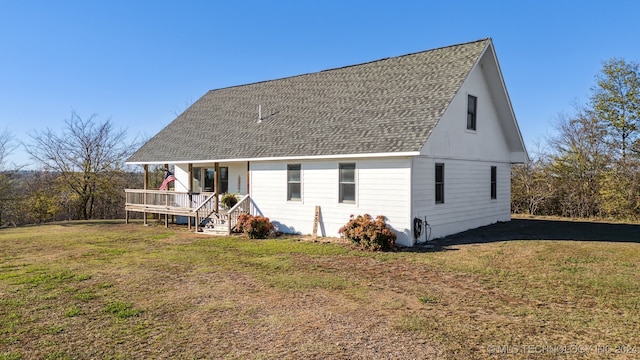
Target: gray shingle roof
point(385, 106)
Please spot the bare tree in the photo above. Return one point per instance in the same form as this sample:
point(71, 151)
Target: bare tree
point(88, 156)
point(578, 163)
point(531, 190)
point(6, 147)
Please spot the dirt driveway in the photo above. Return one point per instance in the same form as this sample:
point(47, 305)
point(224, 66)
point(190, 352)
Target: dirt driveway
point(521, 228)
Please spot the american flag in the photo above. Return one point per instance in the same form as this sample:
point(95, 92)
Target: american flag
point(167, 179)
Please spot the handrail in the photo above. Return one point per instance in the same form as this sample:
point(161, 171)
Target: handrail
point(197, 210)
point(242, 206)
point(152, 191)
point(238, 204)
point(205, 202)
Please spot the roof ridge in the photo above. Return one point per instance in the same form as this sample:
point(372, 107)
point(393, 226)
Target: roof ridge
point(405, 55)
point(353, 65)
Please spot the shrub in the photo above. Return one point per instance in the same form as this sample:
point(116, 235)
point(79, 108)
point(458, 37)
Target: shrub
point(255, 227)
point(369, 234)
point(229, 200)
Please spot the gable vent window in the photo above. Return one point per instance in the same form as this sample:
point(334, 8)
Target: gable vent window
point(294, 182)
point(439, 183)
point(348, 183)
point(472, 110)
point(494, 183)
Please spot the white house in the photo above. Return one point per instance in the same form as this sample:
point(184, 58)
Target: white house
point(425, 139)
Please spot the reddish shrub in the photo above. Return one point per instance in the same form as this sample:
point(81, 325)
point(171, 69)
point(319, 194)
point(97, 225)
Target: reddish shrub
point(369, 234)
point(255, 227)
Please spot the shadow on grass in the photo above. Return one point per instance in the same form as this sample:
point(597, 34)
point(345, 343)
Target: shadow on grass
point(544, 229)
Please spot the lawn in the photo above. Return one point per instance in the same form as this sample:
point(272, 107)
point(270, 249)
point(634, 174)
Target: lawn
point(115, 291)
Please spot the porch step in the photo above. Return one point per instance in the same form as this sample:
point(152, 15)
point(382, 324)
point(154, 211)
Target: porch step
point(220, 230)
point(214, 227)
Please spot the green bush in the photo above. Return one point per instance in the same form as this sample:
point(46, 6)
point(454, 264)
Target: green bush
point(369, 234)
point(255, 227)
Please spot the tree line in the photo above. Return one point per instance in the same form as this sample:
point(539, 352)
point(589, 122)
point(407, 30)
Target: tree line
point(590, 168)
point(82, 174)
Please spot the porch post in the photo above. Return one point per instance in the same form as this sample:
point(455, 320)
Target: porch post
point(166, 215)
point(166, 199)
point(248, 172)
point(216, 184)
point(190, 189)
point(190, 184)
point(145, 181)
point(145, 185)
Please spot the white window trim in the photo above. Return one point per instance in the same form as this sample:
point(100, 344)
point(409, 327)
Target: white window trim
point(435, 183)
point(294, 201)
point(466, 107)
point(491, 183)
point(355, 180)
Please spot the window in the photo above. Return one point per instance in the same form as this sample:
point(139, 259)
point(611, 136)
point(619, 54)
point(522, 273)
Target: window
point(439, 183)
point(209, 173)
point(197, 183)
point(224, 180)
point(203, 179)
point(294, 188)
point(494, 187)
point(472, 110)
point(347, 183)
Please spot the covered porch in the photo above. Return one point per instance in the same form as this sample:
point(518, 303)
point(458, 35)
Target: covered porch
point(196, 194)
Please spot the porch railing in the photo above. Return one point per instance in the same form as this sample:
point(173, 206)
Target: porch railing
point(198, 205)
point(165, 202)
point(222, 219)
point(242, 207)
point(206, 207)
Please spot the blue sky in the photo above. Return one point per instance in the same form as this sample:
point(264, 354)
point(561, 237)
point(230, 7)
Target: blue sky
point(139, 63)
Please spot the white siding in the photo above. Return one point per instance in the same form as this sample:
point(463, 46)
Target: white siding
point(181, 172)
point(467, 198)
point(451, 139)
point(467, 157)
point(237, 177)
point(382, 188)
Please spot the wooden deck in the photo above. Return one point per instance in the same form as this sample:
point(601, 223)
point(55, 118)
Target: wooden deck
point(200, 206)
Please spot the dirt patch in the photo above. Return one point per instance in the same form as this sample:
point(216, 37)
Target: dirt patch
point(533, 228)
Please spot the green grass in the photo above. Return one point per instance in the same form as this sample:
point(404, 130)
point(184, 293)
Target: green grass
point(108, 290)
point(428, 299)
point(121, 309)
point(73, 311)
point(10, 356)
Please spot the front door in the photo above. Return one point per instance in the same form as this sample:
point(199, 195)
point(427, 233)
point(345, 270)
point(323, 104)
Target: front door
point(203, 179)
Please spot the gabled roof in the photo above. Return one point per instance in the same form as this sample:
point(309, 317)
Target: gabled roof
point(381, 107)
